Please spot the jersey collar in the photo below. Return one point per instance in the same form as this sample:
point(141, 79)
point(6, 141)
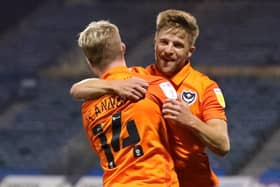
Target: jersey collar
point(182, 74)
point(176, 79)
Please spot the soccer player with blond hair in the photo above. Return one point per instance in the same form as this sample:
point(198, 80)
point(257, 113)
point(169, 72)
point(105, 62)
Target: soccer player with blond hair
point(131, 143)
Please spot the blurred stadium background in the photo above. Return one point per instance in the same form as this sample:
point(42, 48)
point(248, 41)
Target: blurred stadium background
point(42, 142)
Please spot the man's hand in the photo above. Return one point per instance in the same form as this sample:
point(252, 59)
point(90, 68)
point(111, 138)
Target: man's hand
point(213, 133)
point(178, 111)
point(133, 88)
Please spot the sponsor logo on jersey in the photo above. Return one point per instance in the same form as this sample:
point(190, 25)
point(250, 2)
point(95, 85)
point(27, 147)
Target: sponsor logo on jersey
point(189, 96)
point(168, 90)
point(220, 97)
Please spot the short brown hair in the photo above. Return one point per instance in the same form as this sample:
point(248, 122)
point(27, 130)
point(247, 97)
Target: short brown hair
point(178, 19)
point(101, 42)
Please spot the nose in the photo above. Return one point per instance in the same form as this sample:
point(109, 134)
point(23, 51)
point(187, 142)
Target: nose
point(169, 48)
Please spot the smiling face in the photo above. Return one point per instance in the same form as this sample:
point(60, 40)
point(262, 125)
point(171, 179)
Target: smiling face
point(172, 51)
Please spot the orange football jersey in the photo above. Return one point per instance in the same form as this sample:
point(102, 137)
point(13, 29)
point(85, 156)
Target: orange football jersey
point(206, 101)
point(131, 138)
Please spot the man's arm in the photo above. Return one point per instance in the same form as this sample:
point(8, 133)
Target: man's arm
point(213, 133)
point(133, 88)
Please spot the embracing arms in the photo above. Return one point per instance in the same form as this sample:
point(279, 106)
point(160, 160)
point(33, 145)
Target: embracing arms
point(213, 133)
point(133, 88)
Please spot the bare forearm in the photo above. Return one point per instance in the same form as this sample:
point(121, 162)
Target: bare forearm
point(133, 88)
point(213, 134)
point(91, 89)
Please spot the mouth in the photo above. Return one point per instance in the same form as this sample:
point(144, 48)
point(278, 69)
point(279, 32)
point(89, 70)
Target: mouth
point(167, 58)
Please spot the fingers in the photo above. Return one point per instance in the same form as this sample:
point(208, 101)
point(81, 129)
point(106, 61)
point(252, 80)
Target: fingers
point(137, 95)
point(173, 109)
point(140, 89)
point(170, 109)
point(141, 85)
point(133, 88)
point(171, 104)
point(169, 116)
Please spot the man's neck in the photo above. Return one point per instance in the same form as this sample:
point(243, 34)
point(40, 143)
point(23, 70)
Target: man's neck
point(114, 64)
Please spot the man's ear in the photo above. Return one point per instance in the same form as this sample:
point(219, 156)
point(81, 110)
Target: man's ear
point(123, 47)
point(191, 51)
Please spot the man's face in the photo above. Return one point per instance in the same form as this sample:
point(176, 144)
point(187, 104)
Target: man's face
point(172, 50)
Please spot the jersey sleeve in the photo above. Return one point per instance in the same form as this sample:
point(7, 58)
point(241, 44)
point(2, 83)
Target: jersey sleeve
point(160, 91)
point(213, 103)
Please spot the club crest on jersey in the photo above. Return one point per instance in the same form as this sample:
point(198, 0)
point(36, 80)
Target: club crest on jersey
point(189, 96)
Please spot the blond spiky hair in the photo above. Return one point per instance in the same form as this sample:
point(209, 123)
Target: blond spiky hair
point(101, 42)
point(178, 19)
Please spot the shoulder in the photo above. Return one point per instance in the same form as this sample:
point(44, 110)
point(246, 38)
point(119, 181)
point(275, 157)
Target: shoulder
point(199, 79)
point(207, 88)
point(139, 69)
